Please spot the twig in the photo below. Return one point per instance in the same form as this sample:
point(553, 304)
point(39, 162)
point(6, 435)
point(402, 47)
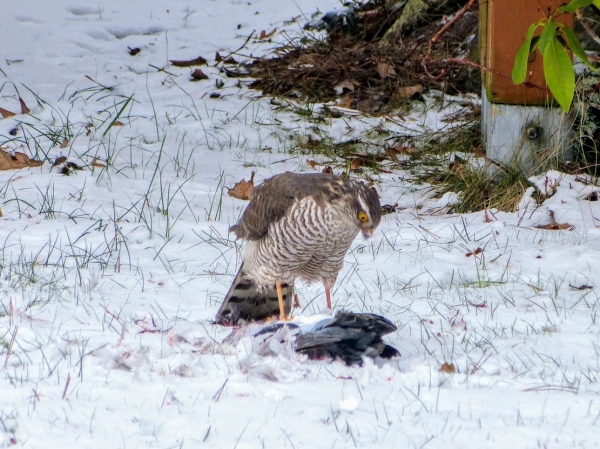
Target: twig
point(243, 45)
point(10, 346)
point(448, 24)
point(586, 27)
point(487, 69)
point(217, 395)
point(427, 58)
point(162, 70)
point(67, 385)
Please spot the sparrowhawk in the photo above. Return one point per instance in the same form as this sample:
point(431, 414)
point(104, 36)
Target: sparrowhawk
point(297, 226)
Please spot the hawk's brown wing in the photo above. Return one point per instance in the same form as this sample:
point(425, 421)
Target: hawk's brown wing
point(271, 200)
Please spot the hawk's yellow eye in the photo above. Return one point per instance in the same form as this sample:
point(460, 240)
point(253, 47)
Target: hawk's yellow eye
point(362, 217)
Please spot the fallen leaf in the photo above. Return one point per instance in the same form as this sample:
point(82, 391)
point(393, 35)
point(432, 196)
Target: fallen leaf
point(59, 160)
point(458, 169)
point(593, 196)
point(243, 189)
point(448, 368)
point(477, 251)
point(69, 168)
point(24, 108)
point(389, 209)
point(296, 300)
point(370, 15)
point(18, 160)
point(355, 164)
point(328, 169)
point(189, 62)
point(311, 163)
point(554, 226)
point(198, 75)
point(134, 51)
point(369, 105)
point(345, 102)
point(265, 35)
point(394, 152)
point(581, 287)
point(385, 69)
point(97, 163)
point(345, 84)
point(218, 57)
point(408, 92)
point(117, 123)
point(5, 114)
point(65, 143)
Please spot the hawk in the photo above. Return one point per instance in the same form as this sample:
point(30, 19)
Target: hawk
point(296, 226)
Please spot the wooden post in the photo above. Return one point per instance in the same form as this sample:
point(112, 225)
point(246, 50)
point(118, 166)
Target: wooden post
point(520, 124)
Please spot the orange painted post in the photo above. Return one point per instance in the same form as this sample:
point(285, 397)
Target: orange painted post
point(520, 123)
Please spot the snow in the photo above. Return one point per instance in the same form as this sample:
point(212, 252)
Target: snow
point(110, 277)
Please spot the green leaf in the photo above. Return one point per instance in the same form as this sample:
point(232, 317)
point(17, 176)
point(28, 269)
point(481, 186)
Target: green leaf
point(519, 71)
point(548, 33)
point(576, 47)
point(559, 73)
point(576, 4)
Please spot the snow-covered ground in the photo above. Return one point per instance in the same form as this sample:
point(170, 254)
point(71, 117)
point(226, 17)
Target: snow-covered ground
point(110, 277)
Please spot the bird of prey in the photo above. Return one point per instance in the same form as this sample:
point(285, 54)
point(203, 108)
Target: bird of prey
point(296, 226)
point(348, 336)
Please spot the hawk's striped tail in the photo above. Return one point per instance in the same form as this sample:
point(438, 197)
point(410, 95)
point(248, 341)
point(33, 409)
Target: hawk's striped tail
point(244, 302)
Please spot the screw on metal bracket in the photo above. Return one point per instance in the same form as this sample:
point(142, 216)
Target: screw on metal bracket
point(533, 132)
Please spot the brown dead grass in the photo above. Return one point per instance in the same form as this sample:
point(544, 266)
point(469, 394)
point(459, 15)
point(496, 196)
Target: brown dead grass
point(349, 66)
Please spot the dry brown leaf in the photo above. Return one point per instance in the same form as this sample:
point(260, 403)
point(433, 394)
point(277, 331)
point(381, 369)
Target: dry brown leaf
point(345, 84)
point(369, 105)
point(198, 75)
point(448, 368)
point(385, 69)
point(389, 208)
point(18, 160)
point(311, 163)
point(65, 143)
point(97, 163)
point(345, 102)
point(355, 164)
point(24, 108)
point(243, 189)
point(265, 35)
point(118, 123)
point(218, 57)
point(554, 226)
point(394, 152)
point(328, 169)
point(59, 160)
point(408, 92)
point(458, 169)
point(5, 114)
point(189, 62)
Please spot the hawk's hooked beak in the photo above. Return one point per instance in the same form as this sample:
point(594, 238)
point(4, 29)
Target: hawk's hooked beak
point(367, 232)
